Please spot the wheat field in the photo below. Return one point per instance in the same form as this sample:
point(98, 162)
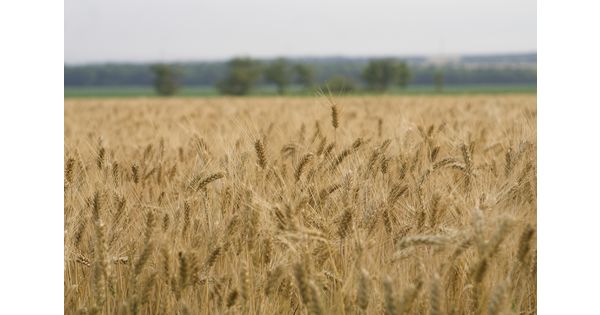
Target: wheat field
point(325, 205)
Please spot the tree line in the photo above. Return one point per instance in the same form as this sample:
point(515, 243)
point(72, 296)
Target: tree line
point(239, 76)
point(244, 73)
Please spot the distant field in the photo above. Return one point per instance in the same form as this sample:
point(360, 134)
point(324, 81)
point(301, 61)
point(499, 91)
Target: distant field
point(137, 91)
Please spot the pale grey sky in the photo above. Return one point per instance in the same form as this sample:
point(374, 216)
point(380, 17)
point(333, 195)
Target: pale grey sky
point(170, 30)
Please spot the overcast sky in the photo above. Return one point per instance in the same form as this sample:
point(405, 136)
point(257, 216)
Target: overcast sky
point(171, 30)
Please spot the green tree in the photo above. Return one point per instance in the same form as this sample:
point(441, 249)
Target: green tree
point(340, 85)
point(166, 79)
point(306, 75)
point(438, 80)
point(403, 74)
point(241, 78)
point(380, 74)
point(279, 72)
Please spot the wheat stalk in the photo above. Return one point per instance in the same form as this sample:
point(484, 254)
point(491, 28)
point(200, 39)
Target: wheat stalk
point(261, 156)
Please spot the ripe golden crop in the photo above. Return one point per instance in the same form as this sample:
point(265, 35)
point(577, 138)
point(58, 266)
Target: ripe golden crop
point(348, 205)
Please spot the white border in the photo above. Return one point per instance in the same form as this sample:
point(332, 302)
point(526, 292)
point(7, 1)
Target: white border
point(568, 160)
point(31, 123)
point(31, 158)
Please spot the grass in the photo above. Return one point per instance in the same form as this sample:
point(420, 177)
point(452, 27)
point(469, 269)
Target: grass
point(208, 91)
point(347, 205)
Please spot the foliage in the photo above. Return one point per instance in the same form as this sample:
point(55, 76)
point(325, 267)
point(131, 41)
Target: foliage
point(208, 73)
point(402, 74)
point(306, 75)
point(340, 85)
point(243, 75)
point(438, 80)
point(165, 79)
point(380, 74)
point(280, 73)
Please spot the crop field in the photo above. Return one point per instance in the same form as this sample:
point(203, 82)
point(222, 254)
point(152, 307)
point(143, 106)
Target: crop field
point(280, 205)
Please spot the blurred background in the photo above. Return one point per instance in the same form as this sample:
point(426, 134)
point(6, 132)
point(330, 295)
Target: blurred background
point(268, 47)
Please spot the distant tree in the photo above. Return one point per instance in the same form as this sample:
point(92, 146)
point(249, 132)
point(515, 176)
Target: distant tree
point(438, 80)
point(403, 74)
point(242, 76)
point(280, 73)
point(306, 75)
point(380, 74)
point(165, 79)
point(340, 85)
